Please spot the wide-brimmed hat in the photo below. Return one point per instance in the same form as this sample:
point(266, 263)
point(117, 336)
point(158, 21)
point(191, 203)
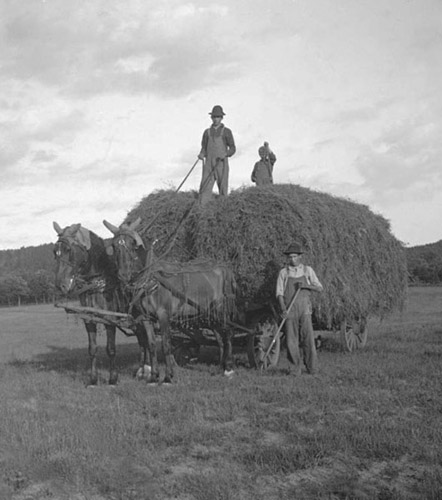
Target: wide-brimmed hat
point(294, 247)
point(217, 111)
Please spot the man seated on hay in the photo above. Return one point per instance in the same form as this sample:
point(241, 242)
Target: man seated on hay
point(298, 325)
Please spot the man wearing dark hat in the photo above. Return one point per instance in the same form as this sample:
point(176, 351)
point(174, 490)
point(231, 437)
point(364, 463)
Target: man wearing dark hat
point(298, 325)
point(217, 146)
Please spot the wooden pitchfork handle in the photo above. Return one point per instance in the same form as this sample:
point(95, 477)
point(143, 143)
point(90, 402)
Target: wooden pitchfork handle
point(278, 331)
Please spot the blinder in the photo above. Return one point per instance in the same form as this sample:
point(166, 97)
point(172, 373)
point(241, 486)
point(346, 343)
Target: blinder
point(70, 243)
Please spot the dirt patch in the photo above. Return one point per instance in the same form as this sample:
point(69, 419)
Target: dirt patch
point(397, 478)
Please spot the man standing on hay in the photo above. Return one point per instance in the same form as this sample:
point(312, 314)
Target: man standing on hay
point(263, 170)
point(298, 325)
point(217, 146)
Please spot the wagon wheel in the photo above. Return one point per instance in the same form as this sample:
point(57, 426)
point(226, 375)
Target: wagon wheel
point(354, 334)
point(259, 343)
point(184, 353)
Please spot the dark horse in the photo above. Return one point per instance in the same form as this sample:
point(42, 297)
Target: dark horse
point(83, 264)
point(186, 295)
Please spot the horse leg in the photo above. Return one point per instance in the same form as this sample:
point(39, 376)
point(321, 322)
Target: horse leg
point(152, 347)
point(92, 335)
point(228, 352)
point(220, 342)
point(167, 346)
point(140, 333)
point(111, 352)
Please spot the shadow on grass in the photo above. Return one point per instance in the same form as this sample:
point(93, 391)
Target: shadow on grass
point(75, 362)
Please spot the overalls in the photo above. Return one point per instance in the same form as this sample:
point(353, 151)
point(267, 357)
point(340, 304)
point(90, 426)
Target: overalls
point(213, 169)
point(262, 173)
point(299, 328)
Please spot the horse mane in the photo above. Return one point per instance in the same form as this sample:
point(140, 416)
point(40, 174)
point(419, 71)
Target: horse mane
point(99, 258)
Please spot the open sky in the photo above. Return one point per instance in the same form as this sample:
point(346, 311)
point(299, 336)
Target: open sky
point(104, 101)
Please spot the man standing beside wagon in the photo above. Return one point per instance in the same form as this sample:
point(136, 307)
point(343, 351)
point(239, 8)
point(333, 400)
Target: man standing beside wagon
point(298, 278)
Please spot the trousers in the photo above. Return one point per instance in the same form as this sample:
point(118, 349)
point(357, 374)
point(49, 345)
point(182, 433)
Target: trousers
point(214, 171)
point(299, 330)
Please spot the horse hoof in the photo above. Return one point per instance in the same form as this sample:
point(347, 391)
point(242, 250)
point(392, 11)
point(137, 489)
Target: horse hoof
point(229, 373)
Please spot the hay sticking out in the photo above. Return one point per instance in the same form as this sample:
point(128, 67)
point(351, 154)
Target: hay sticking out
point(360, 263)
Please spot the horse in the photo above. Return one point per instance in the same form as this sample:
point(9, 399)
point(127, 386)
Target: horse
point(185, 295)
point(83, 264)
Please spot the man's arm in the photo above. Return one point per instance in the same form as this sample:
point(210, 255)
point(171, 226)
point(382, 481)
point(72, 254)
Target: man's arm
point(254, 172)
point(230, 142)
point(204, 141)
point(314, 283)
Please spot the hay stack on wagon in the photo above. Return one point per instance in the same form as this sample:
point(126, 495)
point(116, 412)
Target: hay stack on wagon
point(360, 263)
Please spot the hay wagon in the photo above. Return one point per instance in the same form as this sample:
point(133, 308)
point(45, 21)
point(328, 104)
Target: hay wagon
point(352, 250)
point(360, 263)
point(256, 336)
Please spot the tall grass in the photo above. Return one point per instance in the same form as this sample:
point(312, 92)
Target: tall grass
point(367, 427)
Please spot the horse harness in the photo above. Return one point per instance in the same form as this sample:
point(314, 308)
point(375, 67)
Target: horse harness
point(92, 283)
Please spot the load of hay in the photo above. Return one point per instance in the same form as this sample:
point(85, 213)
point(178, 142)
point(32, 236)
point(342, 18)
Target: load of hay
point(352, 250)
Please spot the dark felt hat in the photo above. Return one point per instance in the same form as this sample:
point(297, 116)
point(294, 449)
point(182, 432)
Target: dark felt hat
point(294, 247)
point(217, 111)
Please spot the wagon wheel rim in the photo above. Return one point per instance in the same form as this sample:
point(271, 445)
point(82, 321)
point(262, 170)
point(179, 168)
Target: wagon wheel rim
point(273, 356)
point(182, 355)
point(354, 334)
point(260, 343)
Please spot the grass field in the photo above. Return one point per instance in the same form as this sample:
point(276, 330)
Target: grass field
point(368, 427)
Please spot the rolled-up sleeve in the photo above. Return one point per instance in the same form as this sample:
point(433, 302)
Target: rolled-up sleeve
point(280, 283)
point(313, 279)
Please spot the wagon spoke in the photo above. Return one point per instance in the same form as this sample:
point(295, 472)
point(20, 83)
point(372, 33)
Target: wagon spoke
point(354, 334)
point(259, 344)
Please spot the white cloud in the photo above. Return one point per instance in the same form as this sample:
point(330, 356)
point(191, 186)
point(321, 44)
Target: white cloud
point(112, 97)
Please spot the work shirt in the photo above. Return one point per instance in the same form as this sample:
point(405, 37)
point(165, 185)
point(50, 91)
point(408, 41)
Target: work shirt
point(298, 271)
point(220, 131)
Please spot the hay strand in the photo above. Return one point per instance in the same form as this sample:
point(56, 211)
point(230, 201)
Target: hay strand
point(352, 250)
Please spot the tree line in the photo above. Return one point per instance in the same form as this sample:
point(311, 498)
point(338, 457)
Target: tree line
point(27, 274)
point(425, 264)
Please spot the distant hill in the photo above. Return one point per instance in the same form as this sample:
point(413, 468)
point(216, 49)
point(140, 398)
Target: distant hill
point(425, 263)
point(27, 260)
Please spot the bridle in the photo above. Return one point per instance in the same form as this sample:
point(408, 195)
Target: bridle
point(78, 266)
point(121, 245)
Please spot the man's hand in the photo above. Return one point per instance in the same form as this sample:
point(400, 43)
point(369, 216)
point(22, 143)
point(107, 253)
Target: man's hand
point(282, 306)
point(201, 156)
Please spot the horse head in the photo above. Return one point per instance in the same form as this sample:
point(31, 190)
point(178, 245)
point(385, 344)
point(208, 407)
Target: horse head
point(129, 250)
point(71, 254)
